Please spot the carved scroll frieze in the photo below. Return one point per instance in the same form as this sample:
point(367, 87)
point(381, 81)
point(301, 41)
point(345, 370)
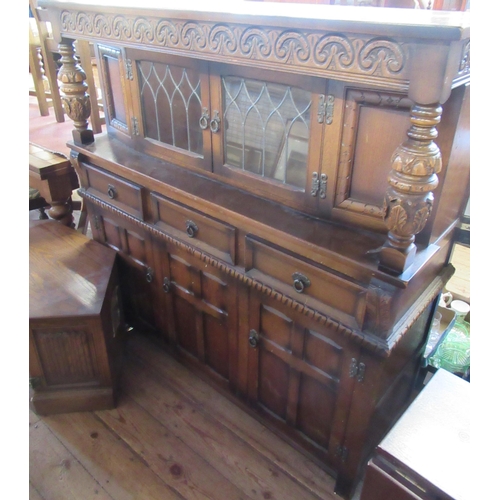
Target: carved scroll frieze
point(321, 51)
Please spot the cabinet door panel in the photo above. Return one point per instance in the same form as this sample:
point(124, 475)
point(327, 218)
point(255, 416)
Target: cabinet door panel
point(299, 374)
point(203, 306)
point(268, 136)
point(112, 75)
point(172, 108)
point(137, 271)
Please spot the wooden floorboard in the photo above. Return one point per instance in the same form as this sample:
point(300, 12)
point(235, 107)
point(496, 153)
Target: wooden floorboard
point(171, 436)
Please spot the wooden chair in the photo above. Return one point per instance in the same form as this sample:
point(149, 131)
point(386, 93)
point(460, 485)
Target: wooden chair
point(85, 52)
point(43, 67)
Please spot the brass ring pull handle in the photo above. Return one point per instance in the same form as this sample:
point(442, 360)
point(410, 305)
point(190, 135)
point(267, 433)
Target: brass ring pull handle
point(253, 339)
point(112, 191)
point(149, 275)
point(191, 228)
point(204, 119)
point(215, 122)
point(300, 282)
point(166, 285)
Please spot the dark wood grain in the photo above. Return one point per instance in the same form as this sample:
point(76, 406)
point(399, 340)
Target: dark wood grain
point(307, 303)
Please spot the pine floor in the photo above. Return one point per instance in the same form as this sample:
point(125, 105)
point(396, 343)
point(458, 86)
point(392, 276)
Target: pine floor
point(172, 436)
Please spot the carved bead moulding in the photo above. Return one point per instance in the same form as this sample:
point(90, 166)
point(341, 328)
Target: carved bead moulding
point(324, 53)
point(379, 340)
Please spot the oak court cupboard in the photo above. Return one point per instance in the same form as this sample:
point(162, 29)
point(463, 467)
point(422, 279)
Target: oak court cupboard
point(282, 187)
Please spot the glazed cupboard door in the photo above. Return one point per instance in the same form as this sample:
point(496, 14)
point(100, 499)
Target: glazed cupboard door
point(171, 108)
point(200, 313)
point(299, 375)
point(267, 132)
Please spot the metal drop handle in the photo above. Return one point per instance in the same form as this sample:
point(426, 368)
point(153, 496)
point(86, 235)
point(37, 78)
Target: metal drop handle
point(112, 191)
point(300, 282)
point(149, 275)
point(253, 339)
point(204, 119)
point(191, 228)
point(166, 285)
point(215, 122)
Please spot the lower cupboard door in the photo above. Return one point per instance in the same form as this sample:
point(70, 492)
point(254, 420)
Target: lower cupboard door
point(201, 305)
point(299, 376)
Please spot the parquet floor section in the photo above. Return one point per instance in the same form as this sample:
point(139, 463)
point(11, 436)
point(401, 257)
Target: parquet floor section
point(172, 436)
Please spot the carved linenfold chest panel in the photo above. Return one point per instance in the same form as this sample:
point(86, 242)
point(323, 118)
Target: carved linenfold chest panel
point(282, 191)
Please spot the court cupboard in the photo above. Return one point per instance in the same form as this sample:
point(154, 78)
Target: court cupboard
point(282, 186)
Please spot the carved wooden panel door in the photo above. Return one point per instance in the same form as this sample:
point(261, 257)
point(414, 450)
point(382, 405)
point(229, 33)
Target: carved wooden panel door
point(138, 278)
point(201, 312)
point(299, 374)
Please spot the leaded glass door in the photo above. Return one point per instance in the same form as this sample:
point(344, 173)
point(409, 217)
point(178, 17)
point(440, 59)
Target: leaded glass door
point(172, 113)
point(267, 137)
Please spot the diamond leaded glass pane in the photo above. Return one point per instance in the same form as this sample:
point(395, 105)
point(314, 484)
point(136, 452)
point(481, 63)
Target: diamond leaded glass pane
point(171, 105)
point(267, 129)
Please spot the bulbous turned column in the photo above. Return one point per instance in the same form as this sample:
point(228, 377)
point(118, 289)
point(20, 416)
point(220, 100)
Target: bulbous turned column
point(409, 199)
point(74, 96)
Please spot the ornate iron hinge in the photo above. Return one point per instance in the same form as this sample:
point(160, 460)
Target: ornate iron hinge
point(325, 109)
point(128, 70)
point(97, 223)
point(342, 452)
point(135, 126)
point(357, 370)
point(318, 185)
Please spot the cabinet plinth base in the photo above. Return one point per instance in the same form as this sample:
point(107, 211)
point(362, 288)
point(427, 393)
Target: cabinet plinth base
point(72, 400)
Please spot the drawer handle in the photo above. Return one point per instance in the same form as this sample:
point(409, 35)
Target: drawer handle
point(166, 285)
point(204, 119)
point(191, 228)
point(215, 122)
point(300, 282)
point(149, 275)
point(112, 191)
point(253, 339)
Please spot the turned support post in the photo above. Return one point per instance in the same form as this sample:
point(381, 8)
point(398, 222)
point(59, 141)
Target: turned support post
point(408, 200)
point(74, 96)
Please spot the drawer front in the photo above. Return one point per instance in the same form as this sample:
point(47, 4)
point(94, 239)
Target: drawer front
point(115, 190)
point(305, 282)
point(206, 233)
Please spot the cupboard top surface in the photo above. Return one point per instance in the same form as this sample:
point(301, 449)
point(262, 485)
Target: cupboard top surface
point(421, 23)
point(69, 274)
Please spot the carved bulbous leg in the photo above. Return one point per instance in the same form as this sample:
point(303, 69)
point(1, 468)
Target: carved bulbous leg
point(408, 201)
point(62, 212)
point(74, 96)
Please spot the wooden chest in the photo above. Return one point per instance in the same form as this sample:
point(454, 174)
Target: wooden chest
point(75, 320)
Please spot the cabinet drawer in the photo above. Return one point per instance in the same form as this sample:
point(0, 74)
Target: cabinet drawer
point(206, 233)
point(305, 282)
point(114, 190)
